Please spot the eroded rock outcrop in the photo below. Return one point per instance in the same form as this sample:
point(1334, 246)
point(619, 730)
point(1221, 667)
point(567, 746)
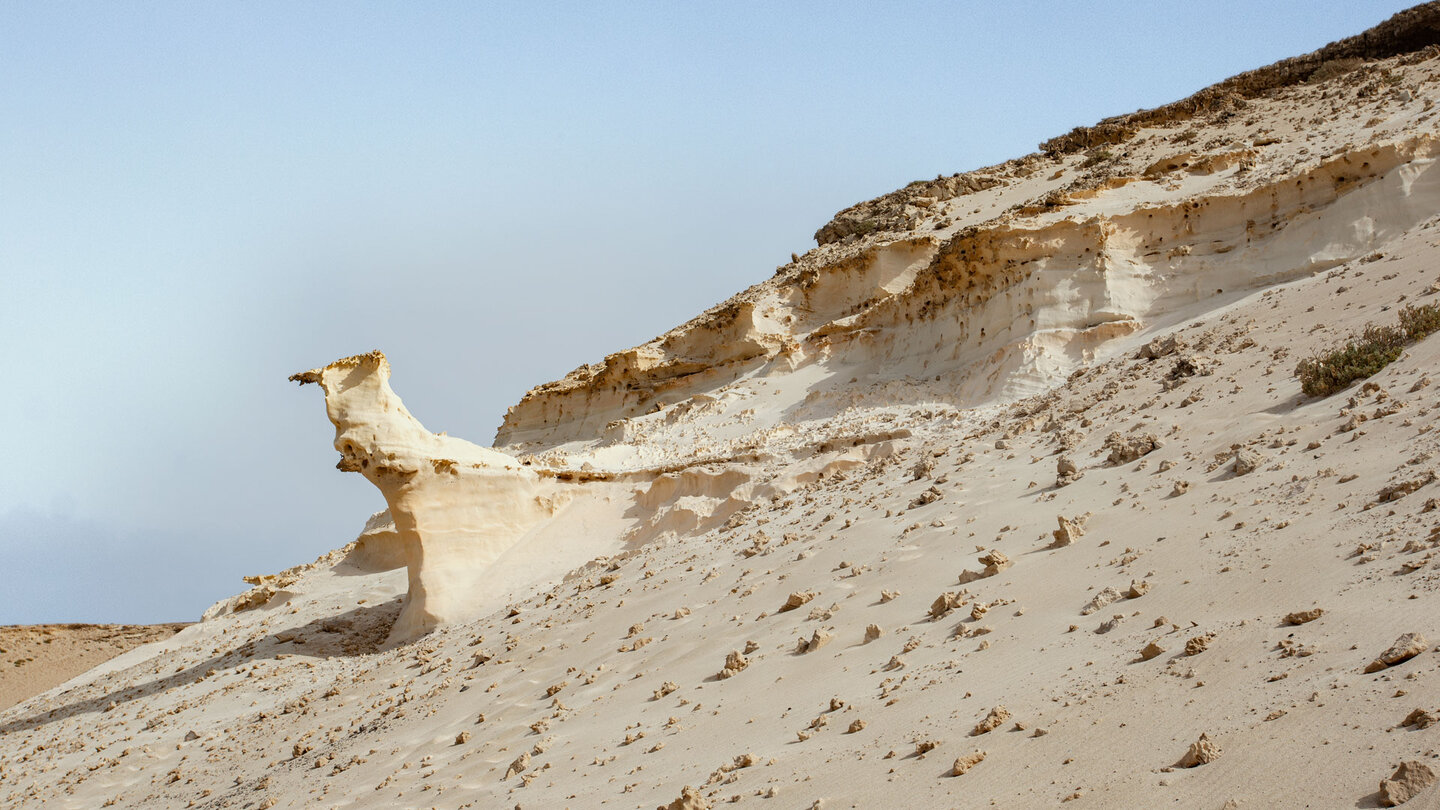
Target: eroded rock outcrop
point(456, 507)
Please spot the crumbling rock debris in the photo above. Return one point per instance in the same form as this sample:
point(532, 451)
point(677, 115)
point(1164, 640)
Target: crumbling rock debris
point(1100, 600)
point(1185, 366)
point(930, 495)
point(1409, 779)
point(1198, 644)
point(1066, 473)
point(1152, 650)
point(1071, 529)
point(690, 799)
point(734, 662)
point(943, 604)
point(1180, 488)
point(1395, 492)
point(1202, 752)
point(872, 632)
point(965, 763)
point(817, 640)
point(994, 563)
point(923, 747)
point(856, 726)
point(1138, 588)
point(797, 599)
point(665, 689)
point(1124, 449)
point(1110, 624)
point(1405, 647)
point(1162, 346)
point(1303, 616)
point(519, 765)
point(1247, 461)
point(1419, 718)
point(995, 719)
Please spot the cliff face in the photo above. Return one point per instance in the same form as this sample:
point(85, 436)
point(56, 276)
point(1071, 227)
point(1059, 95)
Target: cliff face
point(983, 287)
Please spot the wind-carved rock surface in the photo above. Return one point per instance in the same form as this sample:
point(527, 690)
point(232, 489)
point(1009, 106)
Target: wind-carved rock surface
point(457, 507)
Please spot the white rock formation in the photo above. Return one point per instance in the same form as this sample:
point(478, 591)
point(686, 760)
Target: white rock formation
point(456, 507)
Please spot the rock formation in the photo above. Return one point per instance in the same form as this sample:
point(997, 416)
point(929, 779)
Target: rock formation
point(457, 507)
point(711, 533)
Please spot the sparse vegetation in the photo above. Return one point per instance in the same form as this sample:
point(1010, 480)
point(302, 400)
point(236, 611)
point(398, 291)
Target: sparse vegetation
point(1096, 157)
point(1365, 354)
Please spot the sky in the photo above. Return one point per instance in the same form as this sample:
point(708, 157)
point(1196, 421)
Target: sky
point(199, 199)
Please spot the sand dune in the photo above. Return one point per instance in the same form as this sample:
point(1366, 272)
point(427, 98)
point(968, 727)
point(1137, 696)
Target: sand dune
point(1005, 495)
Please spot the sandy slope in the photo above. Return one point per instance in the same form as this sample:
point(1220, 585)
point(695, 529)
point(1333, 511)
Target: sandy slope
point(34, 658)
point(773, 586)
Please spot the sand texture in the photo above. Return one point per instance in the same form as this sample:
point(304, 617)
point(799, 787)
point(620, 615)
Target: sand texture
point(1006, 495)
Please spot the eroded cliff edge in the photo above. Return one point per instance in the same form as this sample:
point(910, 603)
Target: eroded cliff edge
point(995, 284)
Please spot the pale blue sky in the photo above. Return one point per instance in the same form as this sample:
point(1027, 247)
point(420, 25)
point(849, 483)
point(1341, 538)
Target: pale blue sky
point(198, 199)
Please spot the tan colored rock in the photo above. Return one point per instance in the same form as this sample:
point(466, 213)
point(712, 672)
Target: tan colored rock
point(1066, 473)
point(797, 599)
point(1202, 752)
point(965, 763)
point(817, 640)
point(1152, 650)
point(872, 632)
point(1125, 449)
point(1303, 616)
point(1419, 718)
point(1408, 780)
point(1164, 345)
point(994, 563)
point(1102, 599)
point(995, 719)
point(1071, 529)
point(1247, 461)
point(690, 799)
point(519, 765)
point(1198, 644)
point(1405, 647)
point(944, 603)
point(457, 507)
point(857, 725)
point(734, 663)
point(1138, 588)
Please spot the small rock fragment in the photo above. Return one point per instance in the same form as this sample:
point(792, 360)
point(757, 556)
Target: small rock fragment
point(797, 599)
point(965, 763)
point(1405, 647)
point(1198, 644)
point(690, 799)
point(1409, 779)
point(1247, 461)
point(1152, 650)
point(1070, 530)
point(1202, 752)
point(734, 662)
point(1100, 600)
point(995, 719)
point(1303, 616)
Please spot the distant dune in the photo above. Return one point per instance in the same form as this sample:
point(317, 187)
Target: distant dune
point(36, 657)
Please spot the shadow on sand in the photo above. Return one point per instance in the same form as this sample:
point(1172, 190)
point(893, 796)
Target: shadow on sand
point(357, 632)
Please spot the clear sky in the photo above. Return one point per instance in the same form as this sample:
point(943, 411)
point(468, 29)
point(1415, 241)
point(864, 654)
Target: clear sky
point(198, 199)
